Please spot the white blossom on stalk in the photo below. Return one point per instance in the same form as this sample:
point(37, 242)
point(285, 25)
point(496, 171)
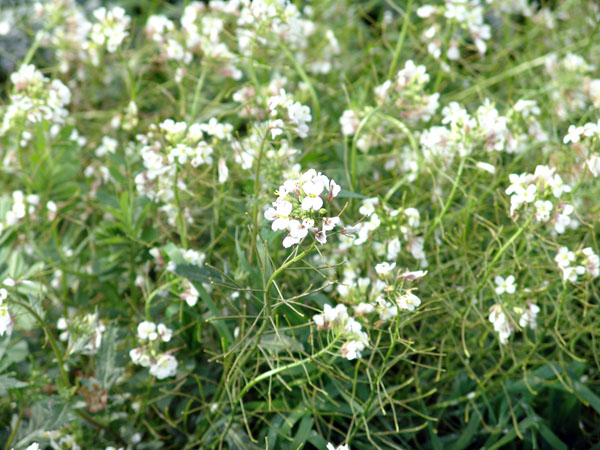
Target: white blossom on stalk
point(301, 208)
point(529, 316)
point(164, 366)
point(147, 330)
point(384, 269)
point(501, 323)
point(409, 301)
point(505, 285)
point(164, 333)
point(349, 123)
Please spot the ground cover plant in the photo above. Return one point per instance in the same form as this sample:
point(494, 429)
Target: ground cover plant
point(283, 225)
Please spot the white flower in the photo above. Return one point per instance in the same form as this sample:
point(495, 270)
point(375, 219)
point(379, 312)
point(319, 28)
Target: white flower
point(409, 301)
point(591, 261)
point(485, 166)
point(563, 220)
point(528, 318)
point(413, 216)
point(505, 285)
point(501, 324)
point(5, 321)
point(594, 165)
point(384, 269)
point(352, 349)
point(364, 308)
point(140, 357)
point(299, 230)
point(393, 248)
point(411, 276)
point(165, 366)
point(543, 208)
point(147, 330)
point(312, 199)
point(573, 135)
point(426, 11)
point(349, 123)
point(329, 223)
point(368, 206)
point(164, 332)
point(330, 446)
point(280, 216)
point(34, 446)
point(190, 296)
point(564, 257)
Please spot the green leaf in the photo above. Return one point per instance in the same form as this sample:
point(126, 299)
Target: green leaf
point(551, 438)
point(304, 429)
point(202, 274)
point(584, 392)
point(108, 371)
point(348, 194)
point(7, 382)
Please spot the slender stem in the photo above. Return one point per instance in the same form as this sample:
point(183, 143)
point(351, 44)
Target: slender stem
point(502, 250)
point(439, 218)
point(51, 340)
point(13, 433)
point(272, 373)
point(197, 92)
point(281, 369)
point(401, 38)
point(181, 226)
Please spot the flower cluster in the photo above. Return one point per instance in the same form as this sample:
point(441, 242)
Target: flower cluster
point(162, 365)
point(567, 78)
point(296, 114)
point(582, 140)
point(35, 98)
point(337, 319)
point(394, 224)
point(172, 144)
point(406, 92)
point(301, 207)
point(503, 324)
point(111, 28)
point(402, 97)
point(22, 205)
point(541, 189)
point(459, 15)
point(574, 264)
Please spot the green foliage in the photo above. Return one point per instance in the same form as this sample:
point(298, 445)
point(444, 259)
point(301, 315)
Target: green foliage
point(152, 301)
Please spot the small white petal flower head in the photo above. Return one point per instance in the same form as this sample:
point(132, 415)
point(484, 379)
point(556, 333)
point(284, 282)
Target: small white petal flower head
point(301, 207)
point(505, 285)
point(147, 330)
point(165, 366)
point(384, 269)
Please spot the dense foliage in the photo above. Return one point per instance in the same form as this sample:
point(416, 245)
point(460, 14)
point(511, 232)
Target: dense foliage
point(276, 224)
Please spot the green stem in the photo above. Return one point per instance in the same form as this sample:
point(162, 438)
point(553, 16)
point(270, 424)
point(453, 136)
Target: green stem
point(401, 38)
point(181, 226)
point(272, 373)
point(502, 250)
point(197, 92)
point(455, 184)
